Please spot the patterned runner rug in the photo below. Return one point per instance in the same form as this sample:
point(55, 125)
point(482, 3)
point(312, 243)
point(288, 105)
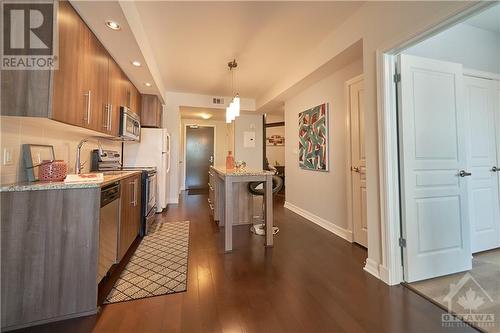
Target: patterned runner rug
point(158, 266)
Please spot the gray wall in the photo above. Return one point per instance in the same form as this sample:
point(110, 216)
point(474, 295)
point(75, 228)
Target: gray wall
point(321, 193)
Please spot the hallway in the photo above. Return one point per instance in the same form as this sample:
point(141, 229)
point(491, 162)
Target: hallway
point(311, 281)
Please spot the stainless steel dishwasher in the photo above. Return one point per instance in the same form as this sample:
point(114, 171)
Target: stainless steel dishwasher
point(108, 228)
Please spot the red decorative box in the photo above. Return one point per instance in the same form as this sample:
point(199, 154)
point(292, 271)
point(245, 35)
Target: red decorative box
point(52, 170)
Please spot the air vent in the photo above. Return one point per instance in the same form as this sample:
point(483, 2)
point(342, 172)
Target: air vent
point(218, 100)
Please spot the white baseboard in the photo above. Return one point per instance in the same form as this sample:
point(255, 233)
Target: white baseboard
point(372, 267)
point(335, 229)
point(384, 274)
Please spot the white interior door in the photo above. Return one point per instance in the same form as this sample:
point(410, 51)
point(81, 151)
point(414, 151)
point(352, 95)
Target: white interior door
point(435, 219)
point(358, 161)
point(484, 206)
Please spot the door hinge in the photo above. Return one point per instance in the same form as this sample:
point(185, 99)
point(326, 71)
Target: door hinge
point(402, 242)
point(397, 78)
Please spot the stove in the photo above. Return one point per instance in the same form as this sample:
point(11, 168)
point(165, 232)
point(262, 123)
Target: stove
point(110, 161)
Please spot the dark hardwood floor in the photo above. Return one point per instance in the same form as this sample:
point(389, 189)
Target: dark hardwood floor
point(311, 281)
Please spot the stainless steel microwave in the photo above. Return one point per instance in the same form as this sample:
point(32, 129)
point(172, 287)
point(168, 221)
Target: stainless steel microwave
point(130, 125)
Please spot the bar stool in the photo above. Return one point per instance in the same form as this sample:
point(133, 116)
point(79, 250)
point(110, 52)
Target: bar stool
point(260, 228)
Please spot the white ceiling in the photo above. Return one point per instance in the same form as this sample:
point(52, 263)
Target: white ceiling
point(193, 41)
point(487, 20)
point(120, 44)
point(203, 113)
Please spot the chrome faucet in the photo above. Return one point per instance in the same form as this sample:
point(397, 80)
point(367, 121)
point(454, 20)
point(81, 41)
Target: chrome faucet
point(78, 164)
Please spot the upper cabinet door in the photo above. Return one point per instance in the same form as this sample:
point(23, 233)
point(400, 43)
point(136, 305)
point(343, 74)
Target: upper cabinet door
point(133, 98)
point(96, 84)
point(69, 101)
point(116, 95)
point(151, 111)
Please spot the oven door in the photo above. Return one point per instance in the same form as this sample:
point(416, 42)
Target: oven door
point(151, 193)
point(149, 220)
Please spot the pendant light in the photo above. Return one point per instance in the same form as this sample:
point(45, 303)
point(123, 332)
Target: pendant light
point(233, 109)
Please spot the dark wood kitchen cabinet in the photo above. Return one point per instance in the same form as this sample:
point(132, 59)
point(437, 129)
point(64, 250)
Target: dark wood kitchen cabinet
point(68, 99)
point(96, 66)
point(86, 90)
point(130, 215)
point(116, 95)
point(81, 82)
point(151, 111)
point(134, 99)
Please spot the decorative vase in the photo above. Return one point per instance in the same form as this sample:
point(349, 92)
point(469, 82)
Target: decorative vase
point(229, 160)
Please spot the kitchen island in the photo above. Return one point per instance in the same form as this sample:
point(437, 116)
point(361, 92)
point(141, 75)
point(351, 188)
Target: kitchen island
point(225, 201)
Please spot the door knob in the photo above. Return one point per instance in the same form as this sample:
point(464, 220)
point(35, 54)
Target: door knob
point(355, 169)
point(464, 173)
point(495, 169)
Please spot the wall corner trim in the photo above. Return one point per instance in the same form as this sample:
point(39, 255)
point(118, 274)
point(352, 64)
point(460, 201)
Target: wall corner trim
point(372, 267)
point(325, 224)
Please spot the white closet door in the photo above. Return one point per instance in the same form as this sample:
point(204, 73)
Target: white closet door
point(484, 206)
point(432, 157)
point(358, 160)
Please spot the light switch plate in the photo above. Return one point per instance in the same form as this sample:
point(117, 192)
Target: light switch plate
point(8, 156)
point(248, 139)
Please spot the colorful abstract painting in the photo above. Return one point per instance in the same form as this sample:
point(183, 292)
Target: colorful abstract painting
point(313, 138)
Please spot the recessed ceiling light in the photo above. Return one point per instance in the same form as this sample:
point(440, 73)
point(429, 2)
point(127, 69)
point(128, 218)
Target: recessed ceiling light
point(112, 25)
point(147, 84)
point(136, 63)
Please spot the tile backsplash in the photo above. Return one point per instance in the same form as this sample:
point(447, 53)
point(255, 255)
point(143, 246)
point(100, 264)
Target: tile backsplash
point(16, 131)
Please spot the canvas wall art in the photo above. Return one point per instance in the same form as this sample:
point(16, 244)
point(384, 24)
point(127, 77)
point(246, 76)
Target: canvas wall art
point(313, 138)
point(275, 140)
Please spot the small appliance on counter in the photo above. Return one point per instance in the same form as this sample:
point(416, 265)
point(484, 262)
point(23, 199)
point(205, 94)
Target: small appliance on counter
point(110, 161)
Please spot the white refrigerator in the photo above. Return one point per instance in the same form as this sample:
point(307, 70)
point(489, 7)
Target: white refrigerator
point(152, 150)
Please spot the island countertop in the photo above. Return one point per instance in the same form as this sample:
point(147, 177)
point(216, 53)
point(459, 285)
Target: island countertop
point(221, 170)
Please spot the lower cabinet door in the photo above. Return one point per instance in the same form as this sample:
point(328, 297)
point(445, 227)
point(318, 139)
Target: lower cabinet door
point(130, 217)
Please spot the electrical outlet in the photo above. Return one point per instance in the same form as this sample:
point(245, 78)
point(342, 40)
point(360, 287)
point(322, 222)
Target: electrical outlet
point(8, 156)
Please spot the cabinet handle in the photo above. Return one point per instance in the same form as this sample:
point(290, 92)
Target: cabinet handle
point(106, 123)
point(88, 95)
point(134, 192)
point(495, 169)
point(110, 109)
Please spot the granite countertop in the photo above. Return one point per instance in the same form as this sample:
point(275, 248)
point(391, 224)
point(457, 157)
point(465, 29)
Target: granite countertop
point(246, 172)
point(109, 177)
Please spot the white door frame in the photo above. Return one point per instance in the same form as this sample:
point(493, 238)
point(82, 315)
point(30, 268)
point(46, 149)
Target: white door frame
point(391, 269)
point(350, 223)
point(183, 187)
